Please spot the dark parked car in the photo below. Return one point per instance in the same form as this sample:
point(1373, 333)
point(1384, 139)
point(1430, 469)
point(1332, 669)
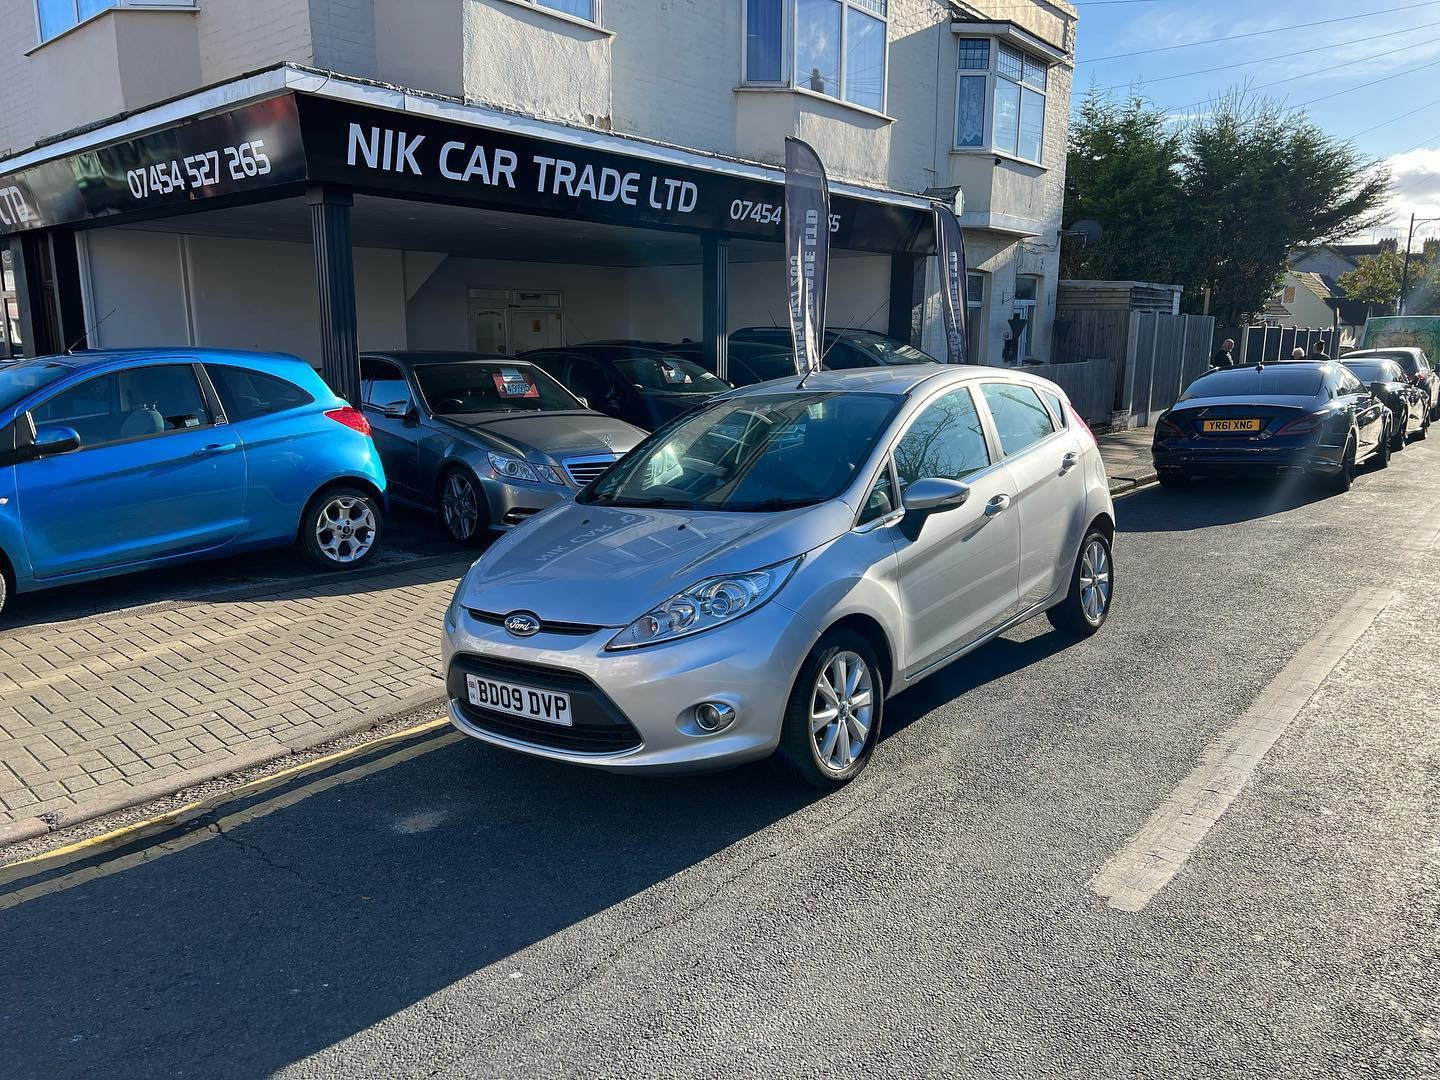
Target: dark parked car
point(487, 440)
point(644, 387)
point(844, 347)
point(749, 362)
point(1416, 366)
point(1305, 417)
point(1406, 400)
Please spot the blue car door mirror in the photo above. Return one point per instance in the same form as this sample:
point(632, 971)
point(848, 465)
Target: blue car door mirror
point(57, 439)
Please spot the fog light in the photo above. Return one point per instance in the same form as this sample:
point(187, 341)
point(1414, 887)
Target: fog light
point(713, 716)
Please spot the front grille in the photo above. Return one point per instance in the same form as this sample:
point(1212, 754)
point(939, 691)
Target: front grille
point(546, 626)
point(583, 470)
point(599, 728)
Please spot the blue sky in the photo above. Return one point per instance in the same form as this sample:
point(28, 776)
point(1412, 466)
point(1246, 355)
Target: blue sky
point(1339, 62)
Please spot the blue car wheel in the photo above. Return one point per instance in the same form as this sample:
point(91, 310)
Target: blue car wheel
point(341, 528)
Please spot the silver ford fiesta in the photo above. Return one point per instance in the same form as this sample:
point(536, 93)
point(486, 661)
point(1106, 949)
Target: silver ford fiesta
point(760, 575)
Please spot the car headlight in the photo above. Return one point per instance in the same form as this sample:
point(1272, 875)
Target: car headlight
point(550, 474)
point(705, 605)
point(513, 468)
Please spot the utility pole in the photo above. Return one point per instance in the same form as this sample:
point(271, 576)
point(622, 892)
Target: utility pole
point(1405, 273)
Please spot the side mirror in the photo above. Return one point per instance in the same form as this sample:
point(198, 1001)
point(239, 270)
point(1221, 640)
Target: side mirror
point(397, 410)
point(1377, 388)
point(584, 400)
point(50, 441)
point(934, 493)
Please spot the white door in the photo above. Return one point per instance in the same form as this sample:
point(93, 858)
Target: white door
point(957, 568)
point(487, 318)
point(1046, 465)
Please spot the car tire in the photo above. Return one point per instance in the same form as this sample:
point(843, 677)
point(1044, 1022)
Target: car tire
point(1174, 480)
point(1343, 480)
point(464, 513)
point(1424, 431)
point(1092, 589)
point(1381, 457)
point(825, 757)
point(341, 528)
point(1398, 437)
point(4, 589)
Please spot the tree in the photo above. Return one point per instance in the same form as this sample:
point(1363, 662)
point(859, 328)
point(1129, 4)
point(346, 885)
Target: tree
point(1122, 170)
point(1217, 203)
point(1376, 280)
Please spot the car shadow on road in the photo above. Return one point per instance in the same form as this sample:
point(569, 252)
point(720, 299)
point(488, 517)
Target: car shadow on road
point(1208, 502)
point(249, 951)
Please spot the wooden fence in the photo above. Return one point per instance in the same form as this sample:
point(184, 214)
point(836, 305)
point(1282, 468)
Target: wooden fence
point(1090, 385)
point(1165, 354)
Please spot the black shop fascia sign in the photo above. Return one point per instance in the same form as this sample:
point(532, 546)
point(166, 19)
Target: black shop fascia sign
point(274, 147)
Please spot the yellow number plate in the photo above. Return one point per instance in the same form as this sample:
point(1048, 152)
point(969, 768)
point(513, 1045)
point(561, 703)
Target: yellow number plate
point(1230, 425)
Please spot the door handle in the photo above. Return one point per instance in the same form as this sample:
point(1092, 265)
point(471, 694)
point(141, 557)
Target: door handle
point(996, 506)
point(215, 448)
point(1068, 462)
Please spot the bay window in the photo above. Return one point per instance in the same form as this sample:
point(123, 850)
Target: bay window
point(54, 17)
point(1008, 85)
point(831, 47)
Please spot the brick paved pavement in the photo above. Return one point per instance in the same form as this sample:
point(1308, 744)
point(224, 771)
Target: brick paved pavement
point(95, 708)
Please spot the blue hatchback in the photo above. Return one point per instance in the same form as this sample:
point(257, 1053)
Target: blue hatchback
point(112, 462)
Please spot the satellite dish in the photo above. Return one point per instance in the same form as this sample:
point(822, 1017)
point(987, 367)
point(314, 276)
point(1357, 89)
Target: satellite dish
point(1087, 230)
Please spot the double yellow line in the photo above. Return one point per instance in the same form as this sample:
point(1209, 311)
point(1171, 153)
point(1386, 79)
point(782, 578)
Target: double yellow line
point(96, 845)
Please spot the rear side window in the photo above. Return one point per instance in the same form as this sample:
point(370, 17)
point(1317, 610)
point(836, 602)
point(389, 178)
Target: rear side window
point(1057, 407)
point(248, 394)
point(1020, 419)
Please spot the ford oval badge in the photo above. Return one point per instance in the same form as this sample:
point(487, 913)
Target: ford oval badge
point(522, 624)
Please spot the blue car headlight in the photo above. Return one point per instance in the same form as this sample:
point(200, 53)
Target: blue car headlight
point(706, 605)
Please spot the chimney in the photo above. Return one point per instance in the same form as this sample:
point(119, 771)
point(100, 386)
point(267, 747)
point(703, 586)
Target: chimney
point(1390, 243)
point(1432, 248)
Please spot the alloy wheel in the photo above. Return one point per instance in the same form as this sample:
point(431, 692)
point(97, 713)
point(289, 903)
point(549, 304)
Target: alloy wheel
point(345, 529)
point(842, 708)
point(459, 507)
point(1095, 581)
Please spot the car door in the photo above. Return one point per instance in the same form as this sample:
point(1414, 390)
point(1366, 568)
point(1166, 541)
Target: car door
point(1367, 411)
point(956, 568)
point(154, 475)
point(382, 384)
point(1044, 462)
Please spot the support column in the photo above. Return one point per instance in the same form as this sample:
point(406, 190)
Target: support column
point(715, 286)
point(335, 277)
point(69, 298)
point(907, 298)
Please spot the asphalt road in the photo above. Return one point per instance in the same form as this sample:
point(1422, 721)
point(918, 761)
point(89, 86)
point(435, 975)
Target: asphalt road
point(464, 912)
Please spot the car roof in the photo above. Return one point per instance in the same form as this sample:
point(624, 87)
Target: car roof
point(893, 379)
point(90, 357)
point(421, 357)
point(1386, 350)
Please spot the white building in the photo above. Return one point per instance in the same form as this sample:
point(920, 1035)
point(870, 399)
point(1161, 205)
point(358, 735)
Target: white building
point(500, 174)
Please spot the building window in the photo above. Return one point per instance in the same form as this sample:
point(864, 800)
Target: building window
point(1012, 85)
point(57, 16)
point(975, 316)
point(837, 47)
point(581, 9)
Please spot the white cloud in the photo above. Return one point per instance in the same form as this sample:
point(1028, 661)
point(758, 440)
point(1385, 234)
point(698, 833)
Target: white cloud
point(1415, 179)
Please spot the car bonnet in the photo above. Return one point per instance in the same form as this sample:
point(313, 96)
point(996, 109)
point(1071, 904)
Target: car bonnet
point(607, 566)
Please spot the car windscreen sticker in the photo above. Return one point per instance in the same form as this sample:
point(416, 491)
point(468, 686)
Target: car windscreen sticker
point(672, 374)
point(514, 383)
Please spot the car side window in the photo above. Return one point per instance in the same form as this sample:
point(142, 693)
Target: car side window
point(839, 356)
point(946, 440)
point(1020, 419)
point(382, 383)
point(129, 404)
point(248, 394)
point(1057, 407)
point(881, 500)
point(1346, 383)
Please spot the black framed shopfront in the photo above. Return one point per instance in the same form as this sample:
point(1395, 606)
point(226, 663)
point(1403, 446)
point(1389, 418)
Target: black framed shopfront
point(330, 150)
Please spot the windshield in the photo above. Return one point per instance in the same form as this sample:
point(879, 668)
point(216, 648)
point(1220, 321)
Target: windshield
point(670, 373)
point(483, 386)
point(1369, 371)
point(1278, 381)
point(19, 379)
point(888, 350)
point(769, 452)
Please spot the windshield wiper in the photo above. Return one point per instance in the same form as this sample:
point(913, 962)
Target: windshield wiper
point(772, 504)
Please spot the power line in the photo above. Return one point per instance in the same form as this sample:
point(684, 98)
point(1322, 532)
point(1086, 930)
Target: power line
point(1291, 53)
point(1372, 82)
point(1402, 116)
point(1260, 33)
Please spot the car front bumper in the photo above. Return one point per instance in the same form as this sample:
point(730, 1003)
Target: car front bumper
point(636, 706)
point(512, 504)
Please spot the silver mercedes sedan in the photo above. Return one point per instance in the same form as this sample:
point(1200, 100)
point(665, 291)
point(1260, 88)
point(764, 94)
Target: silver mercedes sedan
point(488, 441)
point(760, 575)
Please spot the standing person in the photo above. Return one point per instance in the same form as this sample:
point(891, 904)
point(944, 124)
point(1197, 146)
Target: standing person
point(1222, 357)
point(1317, 350)
point(1297, 353)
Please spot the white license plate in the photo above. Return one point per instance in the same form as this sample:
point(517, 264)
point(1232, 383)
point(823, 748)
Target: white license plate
point(517, 700)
